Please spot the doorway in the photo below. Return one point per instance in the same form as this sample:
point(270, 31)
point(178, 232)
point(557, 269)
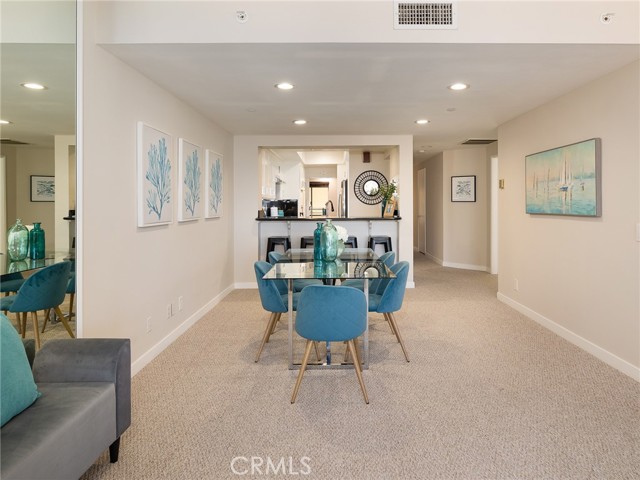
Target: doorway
point(319, 198)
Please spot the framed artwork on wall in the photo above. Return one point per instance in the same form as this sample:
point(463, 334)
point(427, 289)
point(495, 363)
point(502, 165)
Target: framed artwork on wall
point(213, 184)
point(155, 180)
point(189, 181)
point(463, 188)
point(564, 180)
point(43, 188)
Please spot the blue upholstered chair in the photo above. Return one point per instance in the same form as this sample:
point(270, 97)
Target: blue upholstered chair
point(331, 314)
point(298, 284)
point(390, 299)
point(388, 259)
point(71, 291)
point(11, 283)
point(43, 290)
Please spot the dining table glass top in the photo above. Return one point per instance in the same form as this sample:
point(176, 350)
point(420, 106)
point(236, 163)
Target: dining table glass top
point(298, 263)
point(7, 266)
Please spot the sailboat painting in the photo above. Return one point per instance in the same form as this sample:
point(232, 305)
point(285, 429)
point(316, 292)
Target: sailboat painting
point(565, 180)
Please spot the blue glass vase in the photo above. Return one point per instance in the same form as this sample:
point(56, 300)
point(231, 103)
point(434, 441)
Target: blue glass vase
point(317, 241)
point(18, 241)
point(36, 242)
point(329, 242)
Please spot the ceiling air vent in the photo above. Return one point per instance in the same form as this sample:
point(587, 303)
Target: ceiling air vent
point(478, 141)
point(8, 141)
point(413, 15)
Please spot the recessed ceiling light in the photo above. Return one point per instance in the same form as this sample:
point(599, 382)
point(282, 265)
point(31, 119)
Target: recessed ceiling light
point(300, 122)
point(284, 86)
point(4, 122)
point(33, 86)
point(458, 86)
point(422, 121)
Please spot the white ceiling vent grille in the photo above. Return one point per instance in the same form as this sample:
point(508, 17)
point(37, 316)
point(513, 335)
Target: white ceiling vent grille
point(414, 15)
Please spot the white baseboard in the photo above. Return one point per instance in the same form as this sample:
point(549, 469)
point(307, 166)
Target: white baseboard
point(466, 266)
point(435, 259)
point(154, 351)
point(598, 352)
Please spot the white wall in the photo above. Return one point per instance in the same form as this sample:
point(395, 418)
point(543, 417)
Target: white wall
point(466, 224)
point(247, 204)
point(434, 210)
point(578, 276)
point(128, 274)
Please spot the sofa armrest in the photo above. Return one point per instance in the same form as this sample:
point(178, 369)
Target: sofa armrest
point(89, 360)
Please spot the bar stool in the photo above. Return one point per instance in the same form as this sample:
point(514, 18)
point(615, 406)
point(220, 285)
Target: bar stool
point(351, 242)
point(306, 242)
point(380, 240)
point(273, 241)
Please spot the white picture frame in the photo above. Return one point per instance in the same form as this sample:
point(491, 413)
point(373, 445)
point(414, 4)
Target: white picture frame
point(154, 176)
point(214, 184)
point(190, 179)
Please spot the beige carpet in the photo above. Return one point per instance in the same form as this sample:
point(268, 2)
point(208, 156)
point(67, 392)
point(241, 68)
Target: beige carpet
point(488, 394)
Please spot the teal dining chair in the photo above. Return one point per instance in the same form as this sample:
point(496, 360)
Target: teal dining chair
point(71, 291)
point(11, 283)
point(43, 290)
point(388, 259)
point(389, 301)
point(299, 283)
point(331, 314)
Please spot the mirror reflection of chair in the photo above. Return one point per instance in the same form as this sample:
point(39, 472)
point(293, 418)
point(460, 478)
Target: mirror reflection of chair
point(389, 300)
point(43, 290)
point(331, 314)
point(299, 283)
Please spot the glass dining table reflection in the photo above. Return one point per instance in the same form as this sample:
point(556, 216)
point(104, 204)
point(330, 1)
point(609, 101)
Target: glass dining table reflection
point(8, 266)
point(353, 263)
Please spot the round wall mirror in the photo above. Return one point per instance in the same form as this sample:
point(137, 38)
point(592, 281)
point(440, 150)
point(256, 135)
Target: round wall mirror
point(367, 187)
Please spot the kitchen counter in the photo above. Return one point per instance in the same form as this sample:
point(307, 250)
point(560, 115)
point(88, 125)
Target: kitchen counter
point(322, 219)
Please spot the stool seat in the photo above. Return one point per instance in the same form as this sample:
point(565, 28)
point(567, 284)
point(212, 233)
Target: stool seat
point(380, 240)
point(273, 241)
point(351, 242)
point(306, 242)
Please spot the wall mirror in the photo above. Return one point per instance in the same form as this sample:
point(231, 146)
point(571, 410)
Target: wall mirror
point(367, 187)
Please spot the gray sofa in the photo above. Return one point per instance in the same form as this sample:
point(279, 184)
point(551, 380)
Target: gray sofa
point(84, 408)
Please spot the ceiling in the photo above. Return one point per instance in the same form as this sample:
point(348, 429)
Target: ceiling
point(340, 89)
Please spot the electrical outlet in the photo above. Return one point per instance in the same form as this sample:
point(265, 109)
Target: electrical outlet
point(180, 303)
point(148, 324)
point(515, 284)
point(169, 311)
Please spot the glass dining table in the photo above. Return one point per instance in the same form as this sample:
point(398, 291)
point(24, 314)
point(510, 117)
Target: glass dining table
point(7, 266)
point(353, 263)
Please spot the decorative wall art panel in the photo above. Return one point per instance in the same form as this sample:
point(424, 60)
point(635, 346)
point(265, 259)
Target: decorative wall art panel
point(190, 163)
point(463, 188)
point(564, 180)
point(43, 188)
point(155, 178)
point(213, 185)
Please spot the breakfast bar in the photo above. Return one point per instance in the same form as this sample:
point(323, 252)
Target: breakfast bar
point(297, 227)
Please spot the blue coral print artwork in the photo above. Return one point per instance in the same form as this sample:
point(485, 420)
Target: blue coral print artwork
point(213, 185)
point(190, 181)
point(154, 177)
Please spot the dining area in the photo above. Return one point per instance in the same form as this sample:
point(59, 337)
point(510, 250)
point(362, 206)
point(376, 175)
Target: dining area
point(327, 293)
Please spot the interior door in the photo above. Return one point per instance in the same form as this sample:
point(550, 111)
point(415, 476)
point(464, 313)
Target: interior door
point(422, 208)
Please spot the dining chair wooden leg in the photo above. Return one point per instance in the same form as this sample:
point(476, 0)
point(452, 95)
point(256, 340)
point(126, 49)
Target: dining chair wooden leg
point(347, 353)
point(64, 321)
point(392, 319)
point(18, 322)
point(356, 366)
point(386, 317)
point(47, 312)
point(36, 330)
point(305, 360)
point(72, 296)
point(267, 333)
point(24, 323)
point(275, 324)
point(318, 357)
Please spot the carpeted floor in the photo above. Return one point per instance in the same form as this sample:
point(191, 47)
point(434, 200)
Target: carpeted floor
point(488, 394)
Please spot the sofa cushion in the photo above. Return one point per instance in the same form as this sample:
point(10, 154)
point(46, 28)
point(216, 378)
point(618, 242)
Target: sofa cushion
point(62, 434)
point(17, 388)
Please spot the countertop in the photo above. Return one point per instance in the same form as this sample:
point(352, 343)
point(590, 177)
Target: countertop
point(322, 219)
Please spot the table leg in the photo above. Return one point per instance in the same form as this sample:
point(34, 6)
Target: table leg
point(291, 367)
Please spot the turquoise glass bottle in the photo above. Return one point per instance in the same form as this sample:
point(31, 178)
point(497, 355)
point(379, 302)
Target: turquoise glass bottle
point(18, 241)
point(317, 239)
point(36, 242)
point(329, 242)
